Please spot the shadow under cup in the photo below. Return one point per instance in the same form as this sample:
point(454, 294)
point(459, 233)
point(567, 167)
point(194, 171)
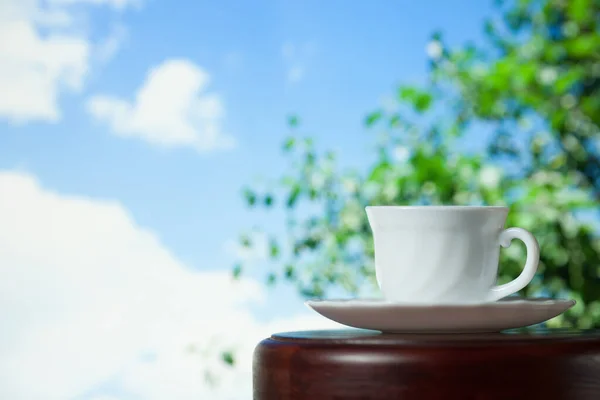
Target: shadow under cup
point(438, 254)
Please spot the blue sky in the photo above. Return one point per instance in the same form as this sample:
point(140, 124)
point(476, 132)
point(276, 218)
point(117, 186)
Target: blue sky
point(351, 53)
point(328, 62)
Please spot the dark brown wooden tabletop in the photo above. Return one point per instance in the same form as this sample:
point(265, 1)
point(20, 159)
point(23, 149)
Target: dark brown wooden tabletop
point(355, 364)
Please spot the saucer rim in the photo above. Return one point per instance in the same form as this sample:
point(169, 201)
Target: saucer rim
point(379, 302)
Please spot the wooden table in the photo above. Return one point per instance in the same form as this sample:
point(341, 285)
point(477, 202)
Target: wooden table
point(356, 364)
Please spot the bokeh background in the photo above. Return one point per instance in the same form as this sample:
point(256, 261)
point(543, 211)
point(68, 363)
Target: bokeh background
point(176, 177)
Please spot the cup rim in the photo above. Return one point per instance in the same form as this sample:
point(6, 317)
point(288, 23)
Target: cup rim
point(438, 208)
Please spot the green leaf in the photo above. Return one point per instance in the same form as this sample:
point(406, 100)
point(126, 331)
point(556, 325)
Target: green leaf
point(379, 172)
point(584, 45)
point(293, 121)
point(228, 358)
point(293, 197)
point(312, 242)
point(579, 10)
point(314, 291)
point(250, 197)
point(289, 272)
point(237, 271)
point(245, 240)
point(395, 121)
point(271, 279)
point(566, 81)
point(268, 200)
point(273, 248)
point(407, 93)
point(419, 99)
point(423, 102)
point(289, 144)
point(373, 118)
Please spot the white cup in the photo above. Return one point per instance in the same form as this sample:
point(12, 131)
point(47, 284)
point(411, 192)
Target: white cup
point(445, 254)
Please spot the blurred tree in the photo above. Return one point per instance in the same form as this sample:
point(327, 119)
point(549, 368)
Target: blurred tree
point(530, 97)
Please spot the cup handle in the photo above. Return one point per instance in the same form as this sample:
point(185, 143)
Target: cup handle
point(531, 264)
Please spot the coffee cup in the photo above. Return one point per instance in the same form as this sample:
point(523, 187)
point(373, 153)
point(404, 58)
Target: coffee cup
point(445, 254)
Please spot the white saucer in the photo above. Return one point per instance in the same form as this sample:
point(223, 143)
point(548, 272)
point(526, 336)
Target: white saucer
point(382, 315)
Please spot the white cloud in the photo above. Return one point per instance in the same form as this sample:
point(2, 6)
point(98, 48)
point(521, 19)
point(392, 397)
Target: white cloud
point(104, 397)
point(106, 49)
point(178, 375)
point(295, 74)
point(171, 109)
point(295, 58)
point(89, 297)
point(35, 67)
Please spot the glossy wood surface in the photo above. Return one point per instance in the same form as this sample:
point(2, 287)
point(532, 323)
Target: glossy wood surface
point(355, 364)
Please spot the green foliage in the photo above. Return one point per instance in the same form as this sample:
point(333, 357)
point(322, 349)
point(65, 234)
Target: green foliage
point(228, 358)
point(373, 118)
point(419, 99)
point(293, 121)
point(535, 87)
point(237, 271)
